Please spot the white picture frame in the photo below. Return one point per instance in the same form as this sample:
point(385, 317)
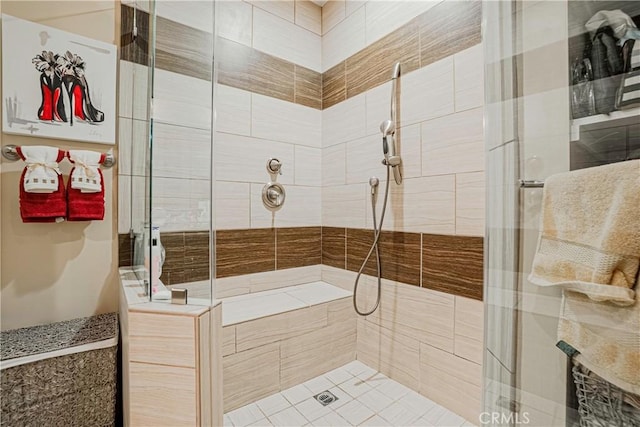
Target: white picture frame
point(56, 84)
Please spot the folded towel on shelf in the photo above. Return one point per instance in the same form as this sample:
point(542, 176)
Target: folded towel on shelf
point(606, 336)
point(590, 232)
point(85, 206)
point(42, 174)
point(84, 175)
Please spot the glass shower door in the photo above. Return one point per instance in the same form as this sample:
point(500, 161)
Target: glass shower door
point(535, 128)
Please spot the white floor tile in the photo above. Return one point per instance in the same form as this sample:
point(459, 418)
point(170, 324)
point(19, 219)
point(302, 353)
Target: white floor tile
point(393, 390)
point(378, 380)
point(375, 400)
point(355, 387)
point(417, 403)
point(367, 373)
point(288, 418)
point(246, 415)
point(398, 415)
point(318, 384)
point(297, 394)
point(375, 421)
point(355, 412)
point(449, 419)
point(423, 422)
point(356, 367)
point(343, 398)
point(332, 419)
point(226, 421)
point(311, 409)
point(435, 414)
point(261, 423)
point(272, 404)
point(338, 376)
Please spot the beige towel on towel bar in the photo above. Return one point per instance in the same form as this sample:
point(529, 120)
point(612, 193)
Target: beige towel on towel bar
point(607, 337)
point(590, 232)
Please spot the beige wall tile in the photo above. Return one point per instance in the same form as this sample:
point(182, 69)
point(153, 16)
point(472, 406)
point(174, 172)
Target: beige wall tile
point(282, 38)
point(271, 329)
point(282, 8)
point(427, 93)
point(340, 311)
point(217, 386)
point(333, 12)
point(234, 21)
point(338, 277)
point(150, 335)
point(233, 108)
point(419, 313)
point(344, 39)
point(344, 121)
point(257, 282)
point(334, 165)
point(364, 157)
point(410, 147)
point(251, 375)
point(451, 381)
point(344, 205)
point(469, 78)
point(453, 143)
point(470, 204)
point(424, 204)
point(174, 387)
point(383, 17)
point(309, 16)
point(353, 5)
point(228, 340)
point(308, 169)
point(389, 352)
point(315, 353)
point(295, 212)
point(233, 205)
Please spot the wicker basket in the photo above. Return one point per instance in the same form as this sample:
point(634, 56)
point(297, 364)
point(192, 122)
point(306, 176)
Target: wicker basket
point(62, 374)
point(602, 404)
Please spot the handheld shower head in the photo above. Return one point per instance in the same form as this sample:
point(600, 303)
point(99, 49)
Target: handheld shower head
point(373, 183)
point(387, 127)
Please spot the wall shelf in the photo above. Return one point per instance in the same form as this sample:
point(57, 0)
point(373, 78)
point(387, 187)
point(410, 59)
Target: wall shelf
point(603, 121)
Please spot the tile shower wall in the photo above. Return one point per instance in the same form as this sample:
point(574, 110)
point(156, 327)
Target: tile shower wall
point(182, 139)
point(427, 333)
point(268, 104)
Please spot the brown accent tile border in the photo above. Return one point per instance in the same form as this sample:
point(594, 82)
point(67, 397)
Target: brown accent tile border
point(187, 257)
point(307, 88)
point(245, 251)
point(125, 250)
point(298, 247)
point(372, 66)
point(448, 28)
point(334, 242)
point(399, 254)
point(445, 29)
point(334, 85)
point(131, 50)
point(249, 69)
point(184, 50)
point(453, 264)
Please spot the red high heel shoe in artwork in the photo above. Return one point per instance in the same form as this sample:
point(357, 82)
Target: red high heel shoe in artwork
point(77, 87)
point(52, 107)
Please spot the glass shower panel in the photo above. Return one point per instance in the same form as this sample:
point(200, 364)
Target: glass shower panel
point(533, 131)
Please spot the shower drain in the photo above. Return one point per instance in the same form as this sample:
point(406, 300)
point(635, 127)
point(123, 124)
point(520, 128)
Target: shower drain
point(325, 398)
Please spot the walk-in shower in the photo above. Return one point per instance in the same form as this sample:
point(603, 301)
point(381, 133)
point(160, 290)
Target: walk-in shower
point(392, 161)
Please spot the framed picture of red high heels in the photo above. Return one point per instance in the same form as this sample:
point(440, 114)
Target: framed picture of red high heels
point(56, 84)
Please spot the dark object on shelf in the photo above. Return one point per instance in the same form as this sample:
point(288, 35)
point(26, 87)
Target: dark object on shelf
point(627, 96)
point(606, 61)
point(602, 404)
point(582, 98)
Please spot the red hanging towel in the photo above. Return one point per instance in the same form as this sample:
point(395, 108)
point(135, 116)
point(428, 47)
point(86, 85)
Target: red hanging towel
point(43, 206)
point(85, 189)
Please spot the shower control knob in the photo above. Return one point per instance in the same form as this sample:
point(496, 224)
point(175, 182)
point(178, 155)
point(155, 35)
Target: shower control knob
point(274, 166)
point(273, 196)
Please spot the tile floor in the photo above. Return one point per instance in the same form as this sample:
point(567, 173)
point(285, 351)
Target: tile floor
point(365, 398)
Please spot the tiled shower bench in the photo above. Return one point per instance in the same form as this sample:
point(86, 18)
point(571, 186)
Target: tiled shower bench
point(276, 339)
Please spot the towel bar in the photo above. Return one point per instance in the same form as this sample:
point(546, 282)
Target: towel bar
point(531, 183)
point(9, 152)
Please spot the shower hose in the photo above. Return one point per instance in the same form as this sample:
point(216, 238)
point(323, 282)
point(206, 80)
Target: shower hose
point(376, 237)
